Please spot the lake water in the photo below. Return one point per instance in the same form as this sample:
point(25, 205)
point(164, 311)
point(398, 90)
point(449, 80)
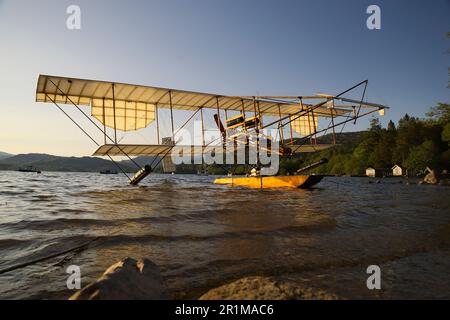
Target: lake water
point(202, 235)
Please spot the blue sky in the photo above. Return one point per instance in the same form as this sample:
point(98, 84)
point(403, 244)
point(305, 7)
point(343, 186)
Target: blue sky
point(228, 47)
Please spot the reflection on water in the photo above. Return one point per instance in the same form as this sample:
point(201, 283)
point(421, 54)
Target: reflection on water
point(202, 235)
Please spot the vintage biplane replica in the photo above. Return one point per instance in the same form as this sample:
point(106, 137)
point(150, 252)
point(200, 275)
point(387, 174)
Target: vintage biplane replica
point(295, 122)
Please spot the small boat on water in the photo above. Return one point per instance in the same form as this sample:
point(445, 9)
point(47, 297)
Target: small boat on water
point(108, 171)
point(29, 169)
point(203, 172)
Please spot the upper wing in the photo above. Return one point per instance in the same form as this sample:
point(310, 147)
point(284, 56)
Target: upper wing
point(96, 93)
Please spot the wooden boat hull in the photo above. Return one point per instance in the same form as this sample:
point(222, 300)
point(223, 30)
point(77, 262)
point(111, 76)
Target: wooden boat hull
point(29, 170)
point(303, 182)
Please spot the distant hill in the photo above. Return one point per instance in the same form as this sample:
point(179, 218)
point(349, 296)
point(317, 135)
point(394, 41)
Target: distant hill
point(4, 155)
point(48, 162)
point(27, 159)
point(344, 138)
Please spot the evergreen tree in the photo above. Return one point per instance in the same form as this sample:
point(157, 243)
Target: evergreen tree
point(414, 144)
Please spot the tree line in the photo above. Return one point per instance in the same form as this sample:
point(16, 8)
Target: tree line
point(412, 143)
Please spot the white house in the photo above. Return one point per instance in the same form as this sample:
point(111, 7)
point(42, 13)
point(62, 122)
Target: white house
point(397, 171)
point(370, 172)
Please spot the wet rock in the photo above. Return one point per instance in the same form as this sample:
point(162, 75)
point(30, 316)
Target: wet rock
point(127, 279)
point(265, 288)
point(431, 178)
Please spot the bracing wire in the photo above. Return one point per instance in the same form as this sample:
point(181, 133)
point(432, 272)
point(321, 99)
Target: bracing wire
point(106, 135)
point(88, 135)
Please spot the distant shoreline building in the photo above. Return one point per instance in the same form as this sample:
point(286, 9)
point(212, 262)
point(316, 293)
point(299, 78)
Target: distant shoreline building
point(397, 171)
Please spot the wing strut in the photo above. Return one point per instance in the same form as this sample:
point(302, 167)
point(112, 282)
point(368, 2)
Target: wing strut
point(104, 132)
point(87, 134)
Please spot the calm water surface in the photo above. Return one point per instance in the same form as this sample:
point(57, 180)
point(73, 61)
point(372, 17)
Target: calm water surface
point(202, 235)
